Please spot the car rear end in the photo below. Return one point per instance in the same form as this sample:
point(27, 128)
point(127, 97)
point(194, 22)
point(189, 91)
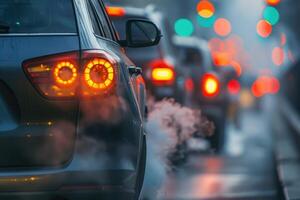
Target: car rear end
point(160, 73)
point(44, 147)
point(207, 86)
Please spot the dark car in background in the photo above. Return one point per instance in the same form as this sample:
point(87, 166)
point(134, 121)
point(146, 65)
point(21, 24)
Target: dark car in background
point(72, 104)
point(161, 67)
point(207, 85)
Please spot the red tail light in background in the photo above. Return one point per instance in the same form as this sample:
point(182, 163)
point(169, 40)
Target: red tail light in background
point(265, 85)
point(60, 76)
point(162, 73)
point(210, 85)
point(275, 88)
point(115, 11)
point(233, 87)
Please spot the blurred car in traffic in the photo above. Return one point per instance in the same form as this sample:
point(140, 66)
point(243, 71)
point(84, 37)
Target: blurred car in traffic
point(206, 85)
point(162, 70)
point(72, 104)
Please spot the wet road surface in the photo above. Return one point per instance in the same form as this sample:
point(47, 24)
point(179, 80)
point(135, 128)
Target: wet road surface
point(245, 170)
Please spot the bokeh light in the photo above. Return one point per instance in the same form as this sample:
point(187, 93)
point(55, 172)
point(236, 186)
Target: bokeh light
point(273, 2)
point(206, 22)
point(264, 28)
point(265, 85)
point(278, 56)
point(205, 9)
point(233, 87)
point(275, 86)
point(221, 58)
point(283, 39)
point(222, 27)
point(237, 67)
point(184, 27)
point(271, 15)
point(216, 44)
point(291, 56)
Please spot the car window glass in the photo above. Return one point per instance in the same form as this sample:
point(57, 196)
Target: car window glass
point(102, 19)
point(97, 28)
point(108, 19)
point(38, 16)
point(192, 56)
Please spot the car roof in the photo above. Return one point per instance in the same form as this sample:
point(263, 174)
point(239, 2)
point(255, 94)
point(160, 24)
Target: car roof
point(191, 42)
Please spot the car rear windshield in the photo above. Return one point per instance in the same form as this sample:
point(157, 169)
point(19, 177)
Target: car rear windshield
point(37, 16)
point(191, 56)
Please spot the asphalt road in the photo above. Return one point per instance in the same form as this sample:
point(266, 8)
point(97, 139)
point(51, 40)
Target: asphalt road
point(245, 170)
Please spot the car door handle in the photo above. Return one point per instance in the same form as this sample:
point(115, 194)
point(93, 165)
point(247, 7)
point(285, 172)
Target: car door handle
point(135, 70)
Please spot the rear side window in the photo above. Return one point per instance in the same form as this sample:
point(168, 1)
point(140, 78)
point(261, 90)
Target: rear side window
point(103, 20)
point(97, 28)
point(38, 16)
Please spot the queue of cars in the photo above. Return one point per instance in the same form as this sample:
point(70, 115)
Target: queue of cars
point(206, 84)
point(180, 68)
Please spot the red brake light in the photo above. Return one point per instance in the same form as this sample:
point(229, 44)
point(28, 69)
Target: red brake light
point(60, 76)
point(115, 11)
point(54, 76)
point(233, 87)
point(99, 73)
point(162, 73)
point(65, 73)
point(210, 85)
point(265, 85)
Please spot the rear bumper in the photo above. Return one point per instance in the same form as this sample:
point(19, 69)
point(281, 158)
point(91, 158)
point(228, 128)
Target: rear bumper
point(104, 160)
point(68, 184)
point(70, 195)
point(214, 108)
point(160, 92)
point(87, 173)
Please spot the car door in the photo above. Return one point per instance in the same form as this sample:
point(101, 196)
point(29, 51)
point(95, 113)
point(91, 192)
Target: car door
point(137, 82)
point(134, 77)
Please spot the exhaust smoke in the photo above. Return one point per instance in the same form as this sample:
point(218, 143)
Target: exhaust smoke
point(169, 125)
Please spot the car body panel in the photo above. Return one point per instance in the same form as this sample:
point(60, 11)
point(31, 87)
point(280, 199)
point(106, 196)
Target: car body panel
point(32, 113)
point(86, 154)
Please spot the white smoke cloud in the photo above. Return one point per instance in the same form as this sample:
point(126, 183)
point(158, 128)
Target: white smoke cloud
point(169, 125)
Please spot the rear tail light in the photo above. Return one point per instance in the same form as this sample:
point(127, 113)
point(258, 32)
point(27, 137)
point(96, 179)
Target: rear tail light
point(265, 85)
point(99, 73)
point(162, 73)
point(115, 11)
point(233, 87)
point(54, 76)
point(67, 76)
point(210, 85)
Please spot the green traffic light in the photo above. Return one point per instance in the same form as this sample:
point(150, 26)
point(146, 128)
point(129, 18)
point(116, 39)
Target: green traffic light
point(271, 14)
point(184, 27)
